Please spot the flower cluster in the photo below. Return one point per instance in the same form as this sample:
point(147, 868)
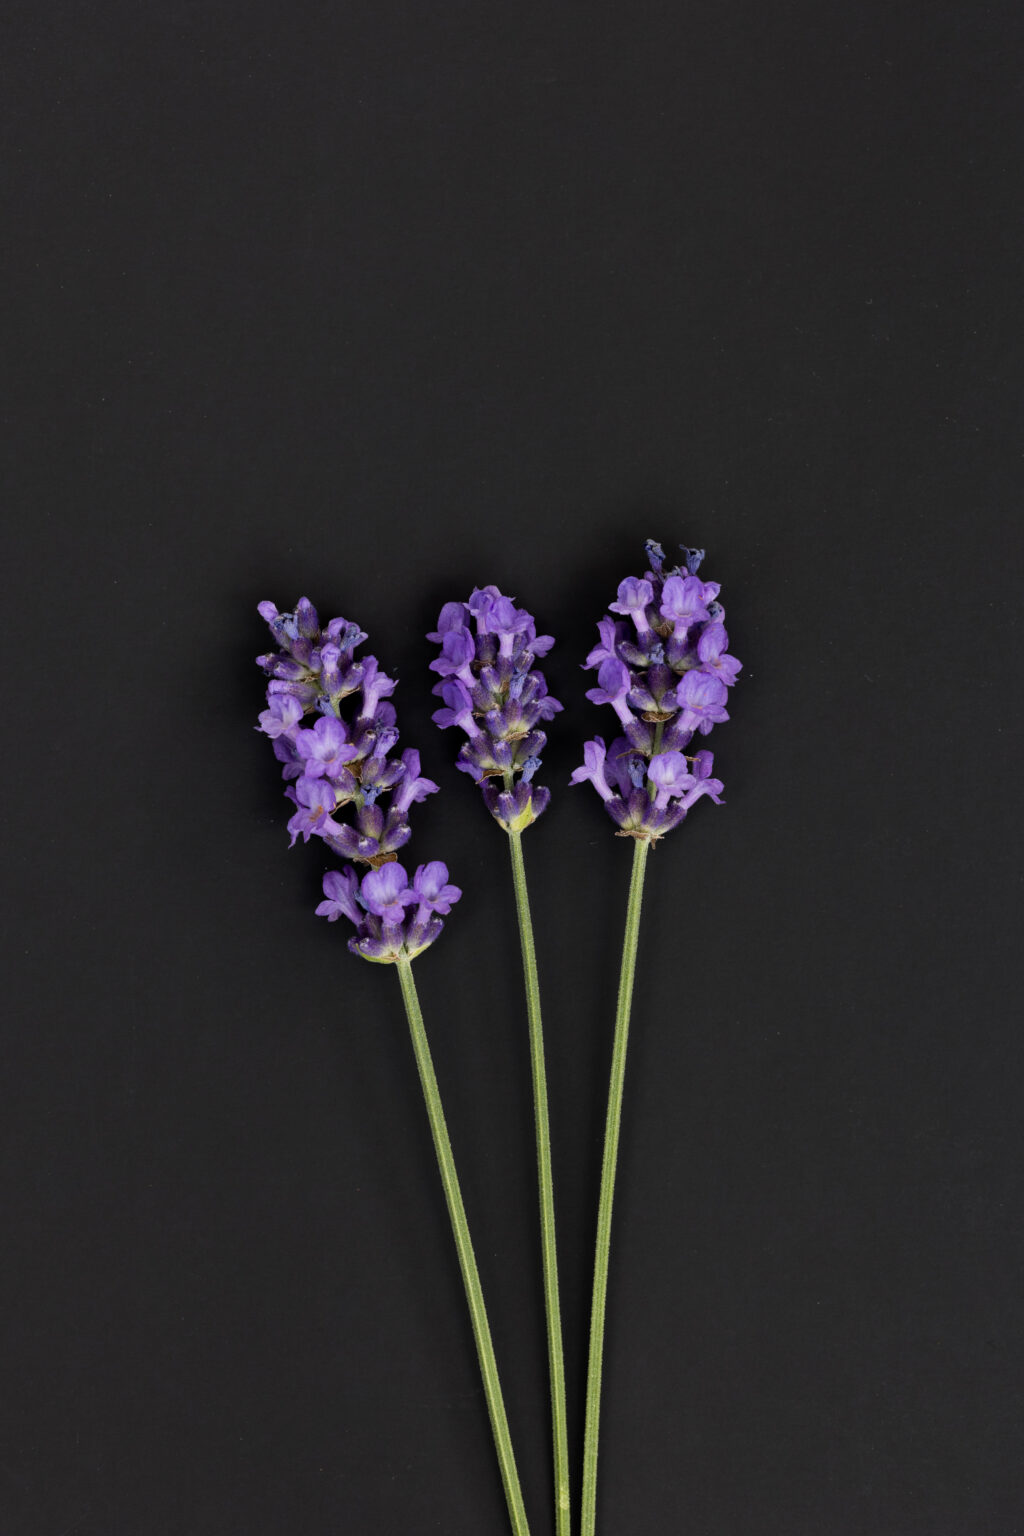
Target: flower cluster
point(342, 766)
point(390, 914)
point(663, 666)
point(489, 688)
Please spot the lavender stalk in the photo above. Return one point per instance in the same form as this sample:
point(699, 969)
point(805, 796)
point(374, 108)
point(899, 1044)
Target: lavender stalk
point(341, 765)
point(664, 668)
point(491, 690)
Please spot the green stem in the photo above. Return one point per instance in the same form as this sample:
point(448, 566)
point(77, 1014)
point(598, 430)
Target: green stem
point(604, 1212)
point(464, 1246)
point(549, 1249)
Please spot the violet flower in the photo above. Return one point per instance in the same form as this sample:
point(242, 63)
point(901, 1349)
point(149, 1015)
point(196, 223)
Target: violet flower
point(349, 790)
point(491, 690)
point(665, 670)
point(353, 794)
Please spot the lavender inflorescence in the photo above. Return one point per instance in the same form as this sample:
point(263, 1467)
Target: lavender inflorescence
point(491, 689)
point(663, 666)
point(342, 764)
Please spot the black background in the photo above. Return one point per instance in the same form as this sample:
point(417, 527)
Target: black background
point(377, 302)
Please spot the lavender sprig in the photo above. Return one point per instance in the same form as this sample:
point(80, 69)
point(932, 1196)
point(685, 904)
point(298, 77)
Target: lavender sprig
point(342, 765)
point(663, 666)
point(492, 691)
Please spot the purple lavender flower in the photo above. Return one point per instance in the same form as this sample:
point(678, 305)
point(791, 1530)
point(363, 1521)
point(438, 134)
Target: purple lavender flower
point(392, 916)
point(667, 675)
point(670, 774)
point(282, 713)
point(701, 696)
point(432, 891)
point(593, 768)
point(386, 892)
point(349, 790)
point(459, 709)
point(711, 650)
point(634, 598)
point(317, 800)
point(614, 683)
point(326, 748)
point(341, 888)
point(682, 603)
point(491, 690)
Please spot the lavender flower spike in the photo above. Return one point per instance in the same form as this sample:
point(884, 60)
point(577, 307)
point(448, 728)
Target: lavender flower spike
point(343, 766)
point(492, 691)
point(664, 669)
point(491, 688)
point(667, 675)
point(349, 790)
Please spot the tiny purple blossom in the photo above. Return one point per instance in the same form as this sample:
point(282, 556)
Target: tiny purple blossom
point(458, 648)
point(682, 601)
point(411, 788)
point(459, 708)
point(325, 747)
point(453, 616)
point(544, 707)
point(635, 594)
point(306, 619)
point(385, 892)
point(656, 555)
point(282, 714)
point(286, 753)
point(701, 698)
point(340, 890)
point(613, 685)
point(506, 621)
point(605, 650)
point(711, 650)
point(344, 635)
point(670, 774)
point(432, 891)
point(620, 755)
point(317, 801)
point(704, 784)
point(594, 754)
point(376, 686)
point(481, 601)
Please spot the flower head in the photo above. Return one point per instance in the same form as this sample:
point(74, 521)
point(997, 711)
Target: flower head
point(492, 691)
point(667, 678)
point(350, 790)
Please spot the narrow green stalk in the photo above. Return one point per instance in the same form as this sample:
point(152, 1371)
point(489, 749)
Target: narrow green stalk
point(549, 1249)
point(604, 1212)
point(464, 1246)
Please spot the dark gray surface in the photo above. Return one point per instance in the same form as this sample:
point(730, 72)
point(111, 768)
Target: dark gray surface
point(375, 303)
